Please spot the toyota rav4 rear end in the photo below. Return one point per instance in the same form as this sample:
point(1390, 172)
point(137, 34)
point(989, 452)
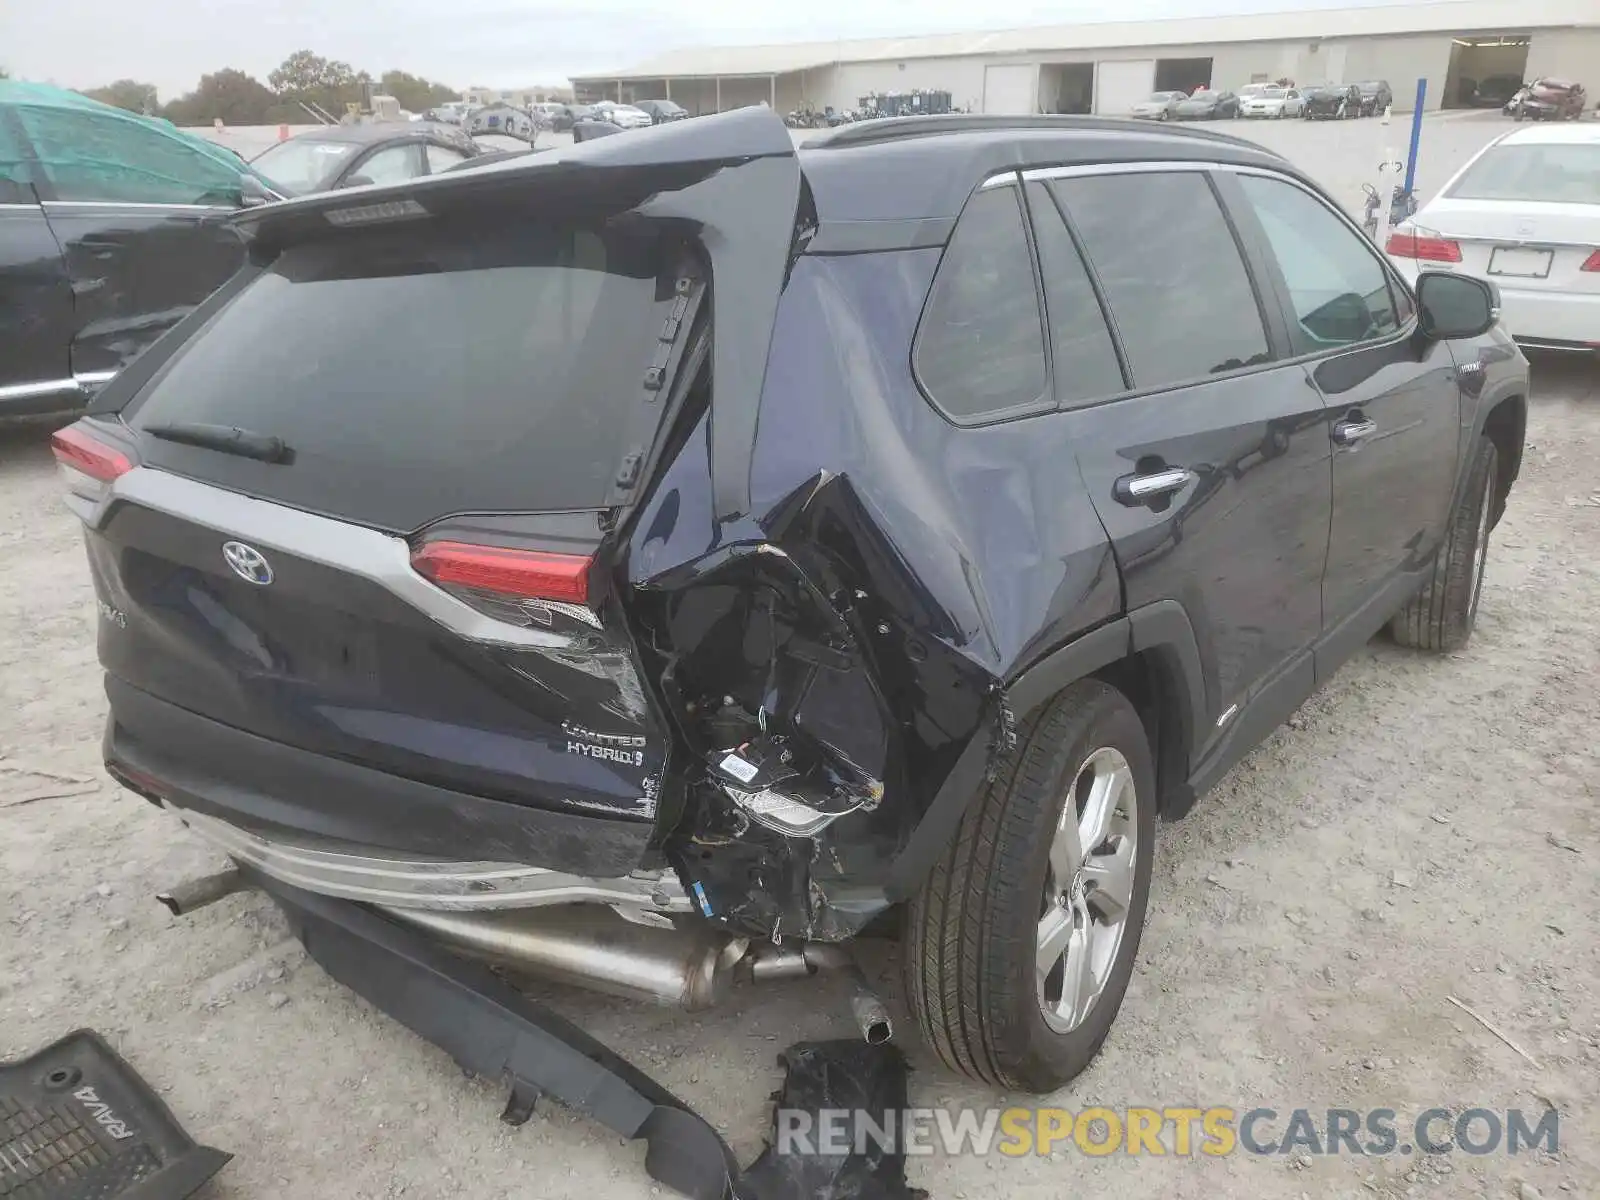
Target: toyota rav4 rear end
point(428, 578)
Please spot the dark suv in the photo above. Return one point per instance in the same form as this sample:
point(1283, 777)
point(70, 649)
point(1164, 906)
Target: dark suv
point(764, 542)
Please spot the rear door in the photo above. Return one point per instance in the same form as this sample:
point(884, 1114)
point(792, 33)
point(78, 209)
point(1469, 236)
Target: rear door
point(139, 215)
point(1210, 469)
point(1394, 400)
point(35, 301)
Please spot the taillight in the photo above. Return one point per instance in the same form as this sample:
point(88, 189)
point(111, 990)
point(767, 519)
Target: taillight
point(86, 463)
point(505, 573)
point(1423, 246)
point(1592, 263)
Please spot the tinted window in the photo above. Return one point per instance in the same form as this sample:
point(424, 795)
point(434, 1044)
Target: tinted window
point(86, 156)
point(980, 347)
point(1171, 271)
point(433, 370)
point(1337, 287)
point(1086, 365)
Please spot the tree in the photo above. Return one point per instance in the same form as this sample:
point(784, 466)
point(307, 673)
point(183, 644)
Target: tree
point(308, 78)
point(127, 93)
point(237, 98)
point(415, 93)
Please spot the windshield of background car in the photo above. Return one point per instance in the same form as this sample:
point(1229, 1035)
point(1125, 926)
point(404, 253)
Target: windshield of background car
point(1271, 94)
point(1558, 172)
point(416, 369)
point(303, 164)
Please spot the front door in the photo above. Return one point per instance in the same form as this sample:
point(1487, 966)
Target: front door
point(1210, 472)
point(139, 216)
point(1393, 399)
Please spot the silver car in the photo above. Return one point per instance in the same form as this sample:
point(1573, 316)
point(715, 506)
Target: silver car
point(1272, 102)
point(1160, 106)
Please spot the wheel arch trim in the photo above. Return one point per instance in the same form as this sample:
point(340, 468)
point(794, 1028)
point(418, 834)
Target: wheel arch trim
point(1162, 627)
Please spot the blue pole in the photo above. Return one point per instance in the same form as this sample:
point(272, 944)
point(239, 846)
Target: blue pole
point(1416, 135)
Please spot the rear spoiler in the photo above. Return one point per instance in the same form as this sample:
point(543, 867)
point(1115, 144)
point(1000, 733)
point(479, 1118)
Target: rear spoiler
point(732, 181)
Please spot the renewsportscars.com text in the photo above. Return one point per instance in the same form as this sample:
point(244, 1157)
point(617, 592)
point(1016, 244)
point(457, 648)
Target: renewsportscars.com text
point(1181, 1132)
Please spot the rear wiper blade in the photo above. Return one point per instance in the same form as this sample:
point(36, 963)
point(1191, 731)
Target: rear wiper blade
point(229, 439)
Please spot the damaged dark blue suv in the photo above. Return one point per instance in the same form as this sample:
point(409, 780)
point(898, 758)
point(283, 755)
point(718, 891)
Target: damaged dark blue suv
point(660, 559)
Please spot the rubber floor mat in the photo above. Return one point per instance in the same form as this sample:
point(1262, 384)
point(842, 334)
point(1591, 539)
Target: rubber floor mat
point(77, 1123)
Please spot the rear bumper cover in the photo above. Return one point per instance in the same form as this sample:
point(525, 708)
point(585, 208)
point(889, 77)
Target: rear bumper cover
point(204, 766)
point(496, 1032)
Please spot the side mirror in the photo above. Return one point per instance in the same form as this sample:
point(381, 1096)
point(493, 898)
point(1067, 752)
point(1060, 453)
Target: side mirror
point(355, 181)
point(253, 193)
point(1453, 306)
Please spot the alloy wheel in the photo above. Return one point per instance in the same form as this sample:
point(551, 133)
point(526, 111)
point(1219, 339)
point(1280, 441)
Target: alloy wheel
point(1089, 890)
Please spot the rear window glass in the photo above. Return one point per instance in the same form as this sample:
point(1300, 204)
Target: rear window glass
point(1563, 172)
point(417, 371)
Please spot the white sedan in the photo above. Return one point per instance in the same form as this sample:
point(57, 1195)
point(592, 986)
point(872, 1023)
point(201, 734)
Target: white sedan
point(1272, 102)
point(1524, 214)
point(625, 116)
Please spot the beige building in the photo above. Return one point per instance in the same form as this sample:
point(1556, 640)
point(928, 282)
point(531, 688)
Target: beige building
point(1105, 67)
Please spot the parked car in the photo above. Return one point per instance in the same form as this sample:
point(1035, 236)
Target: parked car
point(1161, 106)
point(569, 115)
point(623, 116)
point(1205, 105)
point(1331, 101)
point(1274, 102)
point(1494, 91)
point(1376, 96)
point(663, 111)
point(109, 235)
point(501, 118)
point(341, 156)
point(1524, 213)
point(453, 112)
point(546, 112)
point(1550, 100)
point(702, 615)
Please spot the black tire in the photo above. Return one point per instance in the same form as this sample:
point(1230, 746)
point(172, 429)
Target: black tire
point(970, 949)
point(1442, 615)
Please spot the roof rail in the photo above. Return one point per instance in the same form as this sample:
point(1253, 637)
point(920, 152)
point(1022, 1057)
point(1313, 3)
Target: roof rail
point(893, 129)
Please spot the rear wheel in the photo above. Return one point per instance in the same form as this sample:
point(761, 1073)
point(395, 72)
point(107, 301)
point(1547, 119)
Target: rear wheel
point(1021, 943)
point(1443, 613)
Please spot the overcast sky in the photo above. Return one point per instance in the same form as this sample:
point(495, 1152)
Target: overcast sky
point(503, 43)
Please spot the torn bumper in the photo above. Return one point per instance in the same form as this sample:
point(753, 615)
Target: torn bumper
point(494, 1031)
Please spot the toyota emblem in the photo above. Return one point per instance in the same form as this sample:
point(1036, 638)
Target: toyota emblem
point(248, 563)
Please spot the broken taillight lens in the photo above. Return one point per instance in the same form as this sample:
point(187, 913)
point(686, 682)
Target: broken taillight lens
point(500, 572)
point(1422, 246)
point(87, 464)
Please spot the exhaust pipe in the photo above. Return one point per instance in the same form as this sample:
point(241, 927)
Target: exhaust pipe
point(866, 1006)
point(590, 946)
point(199, 892)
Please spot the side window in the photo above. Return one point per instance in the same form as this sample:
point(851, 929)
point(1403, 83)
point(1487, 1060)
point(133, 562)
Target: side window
point(980, 347)
point(442, 158)
point(1086, 366)
point(1337, 287)
point(1171, 271)
point(16, 175)
point(393, 164)
point(86, 156)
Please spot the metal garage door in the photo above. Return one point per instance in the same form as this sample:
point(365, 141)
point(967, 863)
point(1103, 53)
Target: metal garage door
point(1118, 86)
point(1013, 91)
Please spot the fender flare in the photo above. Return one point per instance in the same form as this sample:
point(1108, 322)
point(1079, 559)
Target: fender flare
point(1162, 628)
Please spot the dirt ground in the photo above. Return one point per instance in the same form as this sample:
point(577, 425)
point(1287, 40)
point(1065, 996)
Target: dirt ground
point(1423, 828)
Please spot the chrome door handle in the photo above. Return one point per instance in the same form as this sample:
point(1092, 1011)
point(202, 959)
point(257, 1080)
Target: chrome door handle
point(1134, 490)
point(1348, 433)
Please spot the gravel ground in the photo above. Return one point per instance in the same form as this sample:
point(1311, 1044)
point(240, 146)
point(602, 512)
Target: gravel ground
point(1423, 828)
